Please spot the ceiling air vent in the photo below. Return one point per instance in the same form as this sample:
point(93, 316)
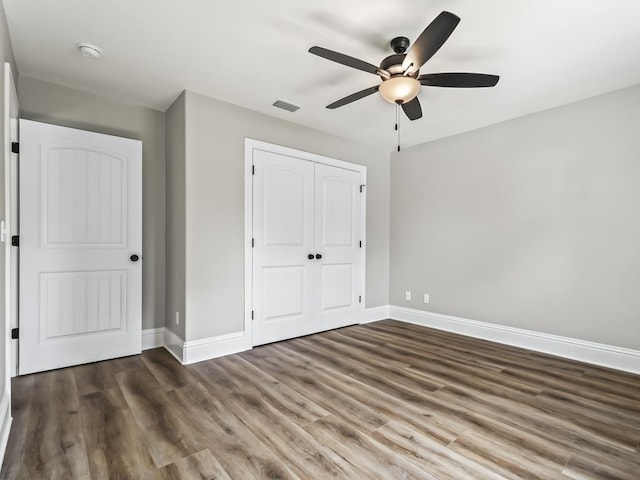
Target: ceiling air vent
point(289, 107)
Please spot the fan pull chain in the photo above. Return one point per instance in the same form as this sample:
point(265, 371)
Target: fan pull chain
point(398, 124)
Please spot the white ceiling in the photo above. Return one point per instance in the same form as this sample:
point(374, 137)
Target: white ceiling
point(252, 52)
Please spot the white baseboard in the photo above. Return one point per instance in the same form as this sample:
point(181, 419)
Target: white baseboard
point(5, 422)
point(590, 352)
point(152, 338)
point(173, 344)
point(207, 348)
point(375, 314)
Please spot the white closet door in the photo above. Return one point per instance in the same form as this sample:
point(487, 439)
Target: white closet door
point(337, 240)
point(283, 240)
point(80, 224)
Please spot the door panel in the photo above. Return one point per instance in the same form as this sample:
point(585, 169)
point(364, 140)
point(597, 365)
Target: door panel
point(337, 209)
point(283, 239)
point(337, 239)
point(81, 219)
point(73, 303)
point(284, 191)
point(284, 293)
point(338, 286)
point(84, 198)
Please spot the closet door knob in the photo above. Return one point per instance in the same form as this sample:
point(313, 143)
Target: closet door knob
point(318, 256)
point(310, 256)
point(134, 258)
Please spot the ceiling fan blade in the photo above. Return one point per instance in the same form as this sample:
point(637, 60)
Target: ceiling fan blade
point(353, 97)
point(459, 80)
point(430, 41)
point(344, 60)
point(412, 109)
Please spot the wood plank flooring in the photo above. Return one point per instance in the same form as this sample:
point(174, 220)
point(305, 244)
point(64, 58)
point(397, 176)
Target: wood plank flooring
point(382, 401)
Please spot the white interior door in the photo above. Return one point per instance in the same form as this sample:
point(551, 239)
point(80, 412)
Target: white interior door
point(283, 240)
point(338, 237)
point(307, 252)
point(80, 233)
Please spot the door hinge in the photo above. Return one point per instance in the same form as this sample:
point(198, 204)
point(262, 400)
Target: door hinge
point(253, 169)
point(360, 299)
point(253, 242)
point(15, 240)
point(251, 314)
point(15, 333)
point(362, 188)
point(360, 243)
point(15, 147)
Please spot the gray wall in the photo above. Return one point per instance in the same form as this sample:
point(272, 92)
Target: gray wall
point(176, 214)
point(51, 103)
point(215, 136)
point(533, 223)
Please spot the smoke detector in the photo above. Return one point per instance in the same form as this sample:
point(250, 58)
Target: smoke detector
point(89, 51)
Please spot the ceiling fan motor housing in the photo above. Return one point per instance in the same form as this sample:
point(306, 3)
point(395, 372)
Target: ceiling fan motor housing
point(393, 65)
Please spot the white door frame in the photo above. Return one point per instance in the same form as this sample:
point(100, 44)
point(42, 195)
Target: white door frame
point(250, 145)
point(11, 219)
point(10, 100)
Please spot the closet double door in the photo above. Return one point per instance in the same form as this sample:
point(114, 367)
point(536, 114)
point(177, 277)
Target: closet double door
point(308, 261)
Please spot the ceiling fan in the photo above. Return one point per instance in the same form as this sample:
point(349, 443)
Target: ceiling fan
point(400, 73)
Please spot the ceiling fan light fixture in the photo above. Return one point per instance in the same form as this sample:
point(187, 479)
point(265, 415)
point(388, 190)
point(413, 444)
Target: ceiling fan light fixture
point(399, 89)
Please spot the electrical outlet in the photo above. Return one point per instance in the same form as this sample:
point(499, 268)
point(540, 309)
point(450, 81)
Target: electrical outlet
point(177, 318)
point(426, 298)
point(407, 295)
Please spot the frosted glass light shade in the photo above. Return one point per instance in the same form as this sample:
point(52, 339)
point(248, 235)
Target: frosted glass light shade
point(399, 89)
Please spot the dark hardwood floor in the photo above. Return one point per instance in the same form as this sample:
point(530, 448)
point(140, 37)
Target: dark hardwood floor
point(382, 401)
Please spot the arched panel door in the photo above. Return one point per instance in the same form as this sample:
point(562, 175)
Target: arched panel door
point(80, 247)
point(338, 241)
point(283, 241)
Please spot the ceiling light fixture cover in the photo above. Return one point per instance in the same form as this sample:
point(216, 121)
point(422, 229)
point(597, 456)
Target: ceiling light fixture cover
point(89, 51)
point(399, 89)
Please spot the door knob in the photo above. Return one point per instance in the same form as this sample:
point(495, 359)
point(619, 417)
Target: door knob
point(134, 258)
point(318, 256)
point(310, 256)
